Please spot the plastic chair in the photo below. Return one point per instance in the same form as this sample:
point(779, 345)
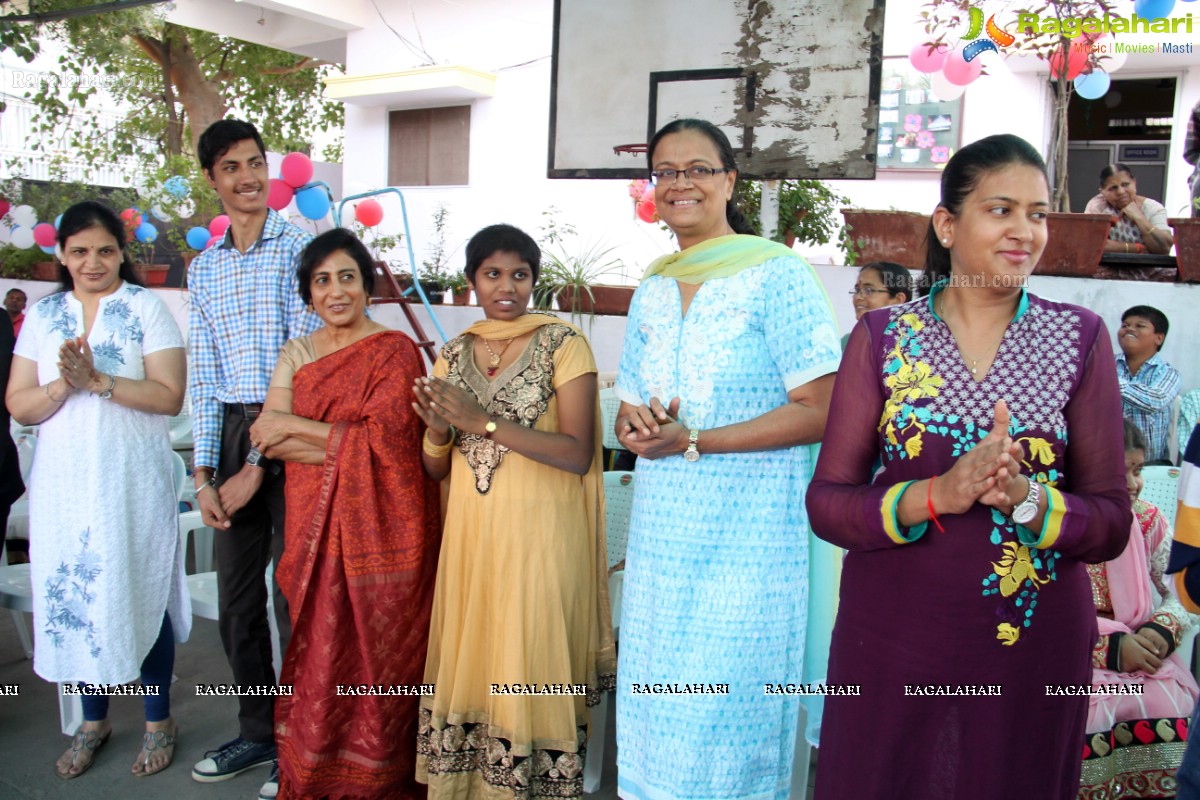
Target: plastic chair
point(610, 404)
point(618, 501)
point(180, 427)
point(1161, 489)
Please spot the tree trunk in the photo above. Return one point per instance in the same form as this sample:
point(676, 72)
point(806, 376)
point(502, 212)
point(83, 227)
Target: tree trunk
point(1060, 198)
point(202, 101)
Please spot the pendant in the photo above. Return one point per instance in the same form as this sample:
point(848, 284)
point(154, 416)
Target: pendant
point(491, 371)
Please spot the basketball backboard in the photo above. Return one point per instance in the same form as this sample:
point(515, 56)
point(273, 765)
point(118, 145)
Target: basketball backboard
point(793, 83)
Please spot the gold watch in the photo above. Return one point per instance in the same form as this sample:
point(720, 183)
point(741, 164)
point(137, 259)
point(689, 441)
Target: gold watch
point(490, 428)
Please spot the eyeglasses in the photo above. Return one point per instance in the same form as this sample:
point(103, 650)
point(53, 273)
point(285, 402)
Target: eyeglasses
point(696, 174)
point(869, 291)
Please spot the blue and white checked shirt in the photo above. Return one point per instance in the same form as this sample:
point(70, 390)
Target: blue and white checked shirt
point(1146, 401)
point(243, 308)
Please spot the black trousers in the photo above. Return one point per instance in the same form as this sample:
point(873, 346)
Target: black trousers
point(254, 538)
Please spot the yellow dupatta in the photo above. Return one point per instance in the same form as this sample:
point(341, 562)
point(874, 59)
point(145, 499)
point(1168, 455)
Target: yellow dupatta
point(720, 257)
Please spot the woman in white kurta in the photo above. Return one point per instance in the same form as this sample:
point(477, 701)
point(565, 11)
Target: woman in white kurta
point(98, 365)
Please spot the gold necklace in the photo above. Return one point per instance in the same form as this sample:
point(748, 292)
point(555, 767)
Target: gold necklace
point(494, 362)
point(974, 368)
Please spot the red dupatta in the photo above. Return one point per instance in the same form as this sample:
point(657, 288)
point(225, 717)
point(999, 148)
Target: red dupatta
point(358, 570)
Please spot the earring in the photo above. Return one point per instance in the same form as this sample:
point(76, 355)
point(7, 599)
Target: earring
point(945, 241)
point(310, 307)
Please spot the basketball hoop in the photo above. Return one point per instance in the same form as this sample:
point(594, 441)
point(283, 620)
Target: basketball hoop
point(630, 149)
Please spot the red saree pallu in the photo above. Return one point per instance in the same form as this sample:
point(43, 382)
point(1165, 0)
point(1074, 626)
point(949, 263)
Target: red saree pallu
point(363, 534)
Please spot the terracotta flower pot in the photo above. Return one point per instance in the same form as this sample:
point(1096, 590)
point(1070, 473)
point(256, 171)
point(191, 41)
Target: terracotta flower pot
point(897, 236)
point(612, 300)
point(574, 299)
point(461, 297)
point(152, 274)
point(1074, 245)
point(1187, 246)
point(45, 271)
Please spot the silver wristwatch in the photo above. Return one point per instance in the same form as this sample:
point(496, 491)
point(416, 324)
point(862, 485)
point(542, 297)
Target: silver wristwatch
point(692, 453)
point(1024, 511)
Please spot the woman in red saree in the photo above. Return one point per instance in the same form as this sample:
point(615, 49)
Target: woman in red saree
point(363, 533)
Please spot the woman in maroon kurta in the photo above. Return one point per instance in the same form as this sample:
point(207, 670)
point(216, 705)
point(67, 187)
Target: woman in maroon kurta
point(363, 534)
point(954, 618)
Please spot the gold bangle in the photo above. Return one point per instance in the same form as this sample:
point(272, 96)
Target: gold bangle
point(437, 450)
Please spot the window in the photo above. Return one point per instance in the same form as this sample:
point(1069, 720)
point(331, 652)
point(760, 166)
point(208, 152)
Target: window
point(429, 146)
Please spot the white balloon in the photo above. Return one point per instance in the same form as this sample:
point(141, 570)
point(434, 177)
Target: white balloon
point(5, 234)
point(25, 216)
point(1113, 61)
point(185, 208)
point(22, 238)
point(160, 213)
point(944, 89)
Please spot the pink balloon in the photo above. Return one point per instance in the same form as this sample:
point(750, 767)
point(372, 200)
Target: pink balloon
point(960, 72)
point(279, 195)
point(44, 235)
point(369, 212)
point(296, 169)
point(219, 225)
point(212, 241)
point(647, 211)
point(923, 60)
point(4, 206)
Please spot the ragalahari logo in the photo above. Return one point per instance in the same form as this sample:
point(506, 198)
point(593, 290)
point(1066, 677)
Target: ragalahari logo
point(995, 36)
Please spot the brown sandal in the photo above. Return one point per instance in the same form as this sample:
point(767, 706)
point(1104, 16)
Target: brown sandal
point(88, 742)
point(151, 741)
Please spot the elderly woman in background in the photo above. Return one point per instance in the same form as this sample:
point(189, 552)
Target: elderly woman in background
point(727, 368)
point(1139, 223)
point(522, 588)
point(968, 525)
point(362, 538)
point(99, 366)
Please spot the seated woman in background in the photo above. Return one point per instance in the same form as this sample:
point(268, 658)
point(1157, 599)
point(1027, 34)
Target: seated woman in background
point(880, 284)
point(363, 533)
point(1134, 743)
point(1139, 223)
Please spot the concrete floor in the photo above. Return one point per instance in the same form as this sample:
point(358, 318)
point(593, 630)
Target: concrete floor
point(31, 742)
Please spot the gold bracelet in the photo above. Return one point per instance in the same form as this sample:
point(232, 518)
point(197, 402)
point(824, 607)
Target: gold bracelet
point(437, 450)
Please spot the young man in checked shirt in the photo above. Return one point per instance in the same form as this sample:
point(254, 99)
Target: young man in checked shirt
point(1148, 384)
point(244, 306)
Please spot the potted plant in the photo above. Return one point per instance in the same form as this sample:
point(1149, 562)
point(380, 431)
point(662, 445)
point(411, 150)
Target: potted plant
point(1187, 246)
point(807, 211)
point(897, 236)
point(460, 289)
point(572, 269)
point(436, 277)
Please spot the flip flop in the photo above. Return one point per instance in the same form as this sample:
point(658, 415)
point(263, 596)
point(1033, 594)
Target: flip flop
point(83, 742)
point(156, 740)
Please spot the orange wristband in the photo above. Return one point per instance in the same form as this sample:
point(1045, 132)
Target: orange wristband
point(929, 505)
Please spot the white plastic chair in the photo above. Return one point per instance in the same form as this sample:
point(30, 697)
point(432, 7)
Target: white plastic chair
point(610, 404)
point(1189, 416)
point(1162, 489)
point(618, 501)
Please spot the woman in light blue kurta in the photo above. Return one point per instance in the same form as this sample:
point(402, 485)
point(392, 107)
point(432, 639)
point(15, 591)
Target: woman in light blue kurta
point(727, 366)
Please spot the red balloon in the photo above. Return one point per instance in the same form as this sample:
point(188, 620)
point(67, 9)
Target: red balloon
point(1076, 61)
point(44, 235)
point(279, 195)
point(296, 170)
point(219, 225)
point(4, 206)
point(131, 218)
point(212, 241)
point(647, 211)
point(647, 194)
point(369, 212)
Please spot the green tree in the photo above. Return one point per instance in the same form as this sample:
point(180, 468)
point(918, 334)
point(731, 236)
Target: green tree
point(175, 80)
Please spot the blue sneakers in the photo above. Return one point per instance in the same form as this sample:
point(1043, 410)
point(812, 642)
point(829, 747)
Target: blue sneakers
point(232, 758)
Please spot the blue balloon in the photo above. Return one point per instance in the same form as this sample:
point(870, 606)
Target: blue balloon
point(146, 233)
point(47, 250)
point(1092, 85)
point(57, 220)
point(313, 202)
point(1153, 9)
point(177, 187)
point(197, 237)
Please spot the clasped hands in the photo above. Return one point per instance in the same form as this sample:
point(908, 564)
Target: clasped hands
point(1143, 650)
point(441, 404)
point(653, 431)
point(988, 473)
point(77, 367)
